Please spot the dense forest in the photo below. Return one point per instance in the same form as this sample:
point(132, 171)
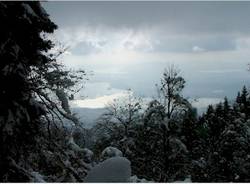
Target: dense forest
point(164, 140)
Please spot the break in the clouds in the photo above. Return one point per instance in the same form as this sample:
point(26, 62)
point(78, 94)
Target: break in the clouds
point(128, 44)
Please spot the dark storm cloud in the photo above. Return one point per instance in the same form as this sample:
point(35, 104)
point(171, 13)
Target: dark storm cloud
point(183, 17)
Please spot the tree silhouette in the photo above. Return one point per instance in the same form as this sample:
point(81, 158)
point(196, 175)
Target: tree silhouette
point(170, 90)
point(29, 76)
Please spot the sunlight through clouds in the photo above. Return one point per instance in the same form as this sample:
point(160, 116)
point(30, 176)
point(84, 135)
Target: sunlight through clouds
point(99, 102)
point(107, 39)
point(131, 50)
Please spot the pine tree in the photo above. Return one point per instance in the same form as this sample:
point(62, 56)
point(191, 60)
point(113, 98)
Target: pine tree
point(29, 74)
point(244, 95)
point(21, 49)
point(238, 98)
point(244, 107)
point(219, 109)
point(210, 110)
point(226, 106)
point(226, 154)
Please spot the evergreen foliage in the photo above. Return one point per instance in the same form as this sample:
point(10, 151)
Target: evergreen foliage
point(33, 95)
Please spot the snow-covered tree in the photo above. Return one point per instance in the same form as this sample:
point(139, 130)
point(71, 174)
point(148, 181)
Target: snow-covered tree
point(169, 91)
point(116, 127)
point(224, 143)
point(33, 94)
point(124, 110)
point(21, 49)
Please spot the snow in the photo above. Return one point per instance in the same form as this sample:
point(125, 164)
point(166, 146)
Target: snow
point(178, 144)
point(37, 177)
point(187, 180)
point(200, 163)
point(29, 10)
point(247, 130)
point(62, 96)
point(115, 169)
point(88, 154)
point(16, 50)
point(43, 11)
point(135, 179)
point(237, 177)
point(228, 132)
point(73, 145)
point(111, 152)
point(243, 115)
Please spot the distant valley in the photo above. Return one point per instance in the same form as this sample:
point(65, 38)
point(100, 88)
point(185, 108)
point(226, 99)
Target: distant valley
point(88, 116)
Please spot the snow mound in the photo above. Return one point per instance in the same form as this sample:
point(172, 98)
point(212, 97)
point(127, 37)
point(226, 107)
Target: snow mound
point(111, 152)
point(115, 169)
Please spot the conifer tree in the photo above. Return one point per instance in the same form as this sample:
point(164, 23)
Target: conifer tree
point(29, 74)
point(238, 98)
point(244, 95)
point(210, 110)
point(21, 49)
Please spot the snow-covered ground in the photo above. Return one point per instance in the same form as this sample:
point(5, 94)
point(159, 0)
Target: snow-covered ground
point(115, 169)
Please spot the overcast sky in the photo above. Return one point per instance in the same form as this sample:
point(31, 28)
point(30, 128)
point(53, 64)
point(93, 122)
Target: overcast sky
point(128, 44)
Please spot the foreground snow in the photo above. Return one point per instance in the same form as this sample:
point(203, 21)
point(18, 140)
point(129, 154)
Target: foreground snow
point(115, 169)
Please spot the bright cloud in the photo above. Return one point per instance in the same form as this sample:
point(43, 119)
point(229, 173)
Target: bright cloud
point(99, 102)
point(128, 46)
point(204, 102)
point(88, 39)
point(93, 90)
point(222, 71)
point(216, 91)
point(198, 49)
